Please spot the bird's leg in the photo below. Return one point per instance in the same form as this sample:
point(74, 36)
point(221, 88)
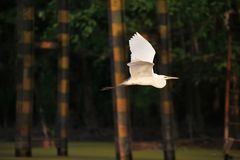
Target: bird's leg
point(111, 87)
point(107, 88)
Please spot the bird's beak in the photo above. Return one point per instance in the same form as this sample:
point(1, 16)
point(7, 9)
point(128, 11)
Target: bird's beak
point(169, 77)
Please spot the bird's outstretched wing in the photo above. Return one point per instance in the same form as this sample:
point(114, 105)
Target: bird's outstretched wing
point(140, 69)
point(141, 49)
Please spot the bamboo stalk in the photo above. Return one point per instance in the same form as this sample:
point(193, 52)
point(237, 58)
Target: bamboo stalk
point(121, 110)
point(166, 99)
point(63, 79)
point(24, 102)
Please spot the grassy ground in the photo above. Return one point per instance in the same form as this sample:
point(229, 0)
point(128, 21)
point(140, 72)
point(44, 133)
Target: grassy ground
point(105, 151)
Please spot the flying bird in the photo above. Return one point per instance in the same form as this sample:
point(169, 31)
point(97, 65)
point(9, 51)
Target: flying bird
point(141, 65)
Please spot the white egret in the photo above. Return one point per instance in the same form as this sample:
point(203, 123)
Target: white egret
point(141, 65)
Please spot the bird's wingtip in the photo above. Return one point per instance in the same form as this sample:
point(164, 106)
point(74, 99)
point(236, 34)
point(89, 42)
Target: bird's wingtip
point(138, 34)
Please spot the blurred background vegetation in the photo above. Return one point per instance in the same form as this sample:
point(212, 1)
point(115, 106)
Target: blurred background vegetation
point(198, 47)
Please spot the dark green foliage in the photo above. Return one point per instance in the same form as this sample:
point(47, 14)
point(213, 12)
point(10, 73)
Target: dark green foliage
point(140, 15)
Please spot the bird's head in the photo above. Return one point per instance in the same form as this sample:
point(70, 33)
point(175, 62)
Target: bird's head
point(160, 81)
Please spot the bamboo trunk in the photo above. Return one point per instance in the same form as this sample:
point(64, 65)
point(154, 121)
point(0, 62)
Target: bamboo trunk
point(24, 79)
point(166, 99)
point(121, 110)
point(63, 79)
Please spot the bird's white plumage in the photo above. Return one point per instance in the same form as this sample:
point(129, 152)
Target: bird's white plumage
point(141, 65)
point(140, 69)
point(141, 49)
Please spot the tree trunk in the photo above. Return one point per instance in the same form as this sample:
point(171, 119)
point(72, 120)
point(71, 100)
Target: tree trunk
point(63, 79)
point(166, 103)
point(120, 101)
point(189, 112)
point(195, 44)
point(90, 111)
point(216, 101)
point(182, 37)
point(235, 111)
point(198, 114)
point(24, 103)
